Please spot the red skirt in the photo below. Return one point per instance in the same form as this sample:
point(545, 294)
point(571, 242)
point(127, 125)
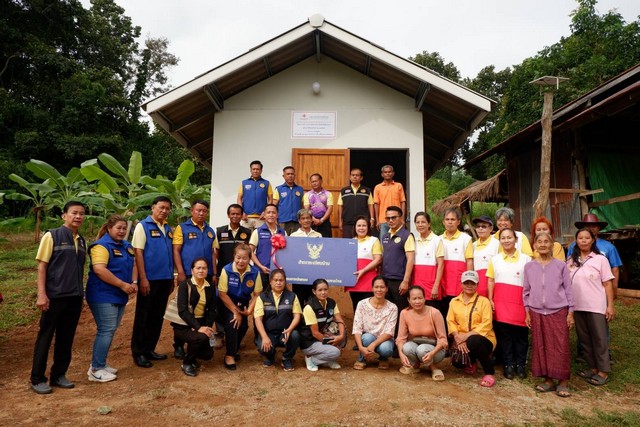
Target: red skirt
point(551, 355)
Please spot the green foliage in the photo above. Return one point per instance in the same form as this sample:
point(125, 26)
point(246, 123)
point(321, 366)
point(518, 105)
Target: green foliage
point(435, 62)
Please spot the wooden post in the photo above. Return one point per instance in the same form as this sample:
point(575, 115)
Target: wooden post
point(540, 205)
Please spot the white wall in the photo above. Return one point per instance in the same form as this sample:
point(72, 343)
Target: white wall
point(256, 124)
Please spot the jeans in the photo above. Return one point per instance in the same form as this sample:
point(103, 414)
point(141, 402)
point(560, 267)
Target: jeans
point(276, 340)
point(415, 352)
point(107, 317)
point(384, 350)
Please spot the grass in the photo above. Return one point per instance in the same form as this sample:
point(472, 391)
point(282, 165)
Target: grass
point(17, 280)
point(572, 418)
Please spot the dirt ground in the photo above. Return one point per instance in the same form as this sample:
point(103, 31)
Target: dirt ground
point(254, 395)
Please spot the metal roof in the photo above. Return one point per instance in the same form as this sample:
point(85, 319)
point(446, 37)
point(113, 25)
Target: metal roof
point(450, 111)
point(618, 97)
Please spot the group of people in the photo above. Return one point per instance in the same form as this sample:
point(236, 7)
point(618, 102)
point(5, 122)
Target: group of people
point(421, 296)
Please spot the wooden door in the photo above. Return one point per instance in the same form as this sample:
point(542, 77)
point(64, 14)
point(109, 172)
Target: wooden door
point(332, 164)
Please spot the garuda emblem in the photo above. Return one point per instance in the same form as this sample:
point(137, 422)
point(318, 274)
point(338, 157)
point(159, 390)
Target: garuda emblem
point(314, 250)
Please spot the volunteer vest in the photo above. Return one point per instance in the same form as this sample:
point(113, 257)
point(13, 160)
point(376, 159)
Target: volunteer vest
point(290, 202)
point(65, 269)
point(354, 204)
point(263, 250)
point(455, 263)
point(277, 320)
point(365, 256)
point(394, 259)
point(121, 260)
point(158, 251)
point(228, 242)
point(426, 266)
point(481, 258)
point(324, 316)
point(507, 292)
point(254, 195)
point(196, 243)
point(241, 289)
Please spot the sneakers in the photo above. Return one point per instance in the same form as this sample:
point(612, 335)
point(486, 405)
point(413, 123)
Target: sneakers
point(62, 382)
point(287, 365)
point(267, 363)
point(334, 365)
point(101, 375)
point(41, 388)
point(107, 368)
point(310, 365)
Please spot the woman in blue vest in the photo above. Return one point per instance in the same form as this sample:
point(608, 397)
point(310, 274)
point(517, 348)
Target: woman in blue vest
point(197, 309)
point(276, 317)
point(238, 286)
point(112, 279)
point(320, 341)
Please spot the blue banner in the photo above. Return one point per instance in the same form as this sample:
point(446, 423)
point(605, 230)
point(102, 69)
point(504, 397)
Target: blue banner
point(306, 259)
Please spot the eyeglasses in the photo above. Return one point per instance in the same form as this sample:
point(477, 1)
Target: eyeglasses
point(391, 218)
point(482, 226)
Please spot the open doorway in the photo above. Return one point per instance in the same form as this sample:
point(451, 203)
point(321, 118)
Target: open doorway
point(371, 162)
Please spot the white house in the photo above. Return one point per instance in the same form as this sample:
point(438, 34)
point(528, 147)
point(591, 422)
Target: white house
point(323, 100)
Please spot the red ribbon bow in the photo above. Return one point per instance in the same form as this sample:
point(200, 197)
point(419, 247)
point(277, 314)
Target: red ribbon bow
point(278, 241)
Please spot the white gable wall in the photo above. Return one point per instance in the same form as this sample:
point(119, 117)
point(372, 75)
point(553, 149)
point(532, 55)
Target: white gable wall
point(256, 125)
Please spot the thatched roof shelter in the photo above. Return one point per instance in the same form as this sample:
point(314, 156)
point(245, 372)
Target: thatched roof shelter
point(494, 189)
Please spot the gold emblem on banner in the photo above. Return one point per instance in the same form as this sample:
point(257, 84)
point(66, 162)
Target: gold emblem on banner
point(314, 250)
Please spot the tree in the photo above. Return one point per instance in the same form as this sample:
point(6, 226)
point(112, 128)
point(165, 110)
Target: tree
point(435, 62)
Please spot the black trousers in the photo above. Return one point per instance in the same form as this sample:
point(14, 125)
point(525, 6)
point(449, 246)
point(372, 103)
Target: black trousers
point(147, 324)
point(61, 320)
point(324, 229)
point(303, 292)
point(480, 349)
point(233, 336)
point(514, 343)
point(394, 296)
point(197, 344)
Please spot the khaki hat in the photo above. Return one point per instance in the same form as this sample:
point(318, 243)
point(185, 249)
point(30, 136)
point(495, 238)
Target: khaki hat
point(470, 276)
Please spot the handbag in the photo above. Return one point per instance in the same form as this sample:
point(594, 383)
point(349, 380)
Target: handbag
point(171, 313)
point(458, 358)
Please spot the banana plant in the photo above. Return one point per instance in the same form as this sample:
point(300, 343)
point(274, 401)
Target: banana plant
point(36, 193)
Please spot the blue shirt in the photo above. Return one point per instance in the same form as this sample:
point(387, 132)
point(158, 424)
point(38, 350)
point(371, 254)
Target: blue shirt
point(606, 248)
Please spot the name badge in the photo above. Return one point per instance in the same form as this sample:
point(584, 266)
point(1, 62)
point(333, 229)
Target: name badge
point(155, 233)
point(116, 253)
point(192, 235)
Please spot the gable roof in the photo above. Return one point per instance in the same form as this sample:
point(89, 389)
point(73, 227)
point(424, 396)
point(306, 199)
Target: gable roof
point(450, 111)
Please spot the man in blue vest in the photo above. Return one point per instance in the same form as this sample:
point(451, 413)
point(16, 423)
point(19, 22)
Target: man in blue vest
point(254, 194)
point(398, 248)
point(288, 198)
point(61, 257)
point(193, 239)
point(152, 243)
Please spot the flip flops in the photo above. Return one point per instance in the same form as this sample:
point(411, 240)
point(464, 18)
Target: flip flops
point(359, 366)
point(586, 374)
point(471, 369)
point(545, 387)
point(562, 391)
point(437, 375)
point(598, 380)
point(488, 381)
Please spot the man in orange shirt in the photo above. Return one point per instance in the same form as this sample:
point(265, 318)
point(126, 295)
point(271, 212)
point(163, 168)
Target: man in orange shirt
point(387, 193)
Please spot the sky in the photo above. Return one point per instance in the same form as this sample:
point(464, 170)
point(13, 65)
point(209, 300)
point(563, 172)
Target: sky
point(470, 33)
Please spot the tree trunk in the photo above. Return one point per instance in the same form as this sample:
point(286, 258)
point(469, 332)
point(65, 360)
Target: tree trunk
point(540, 205)
point(36, 237)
